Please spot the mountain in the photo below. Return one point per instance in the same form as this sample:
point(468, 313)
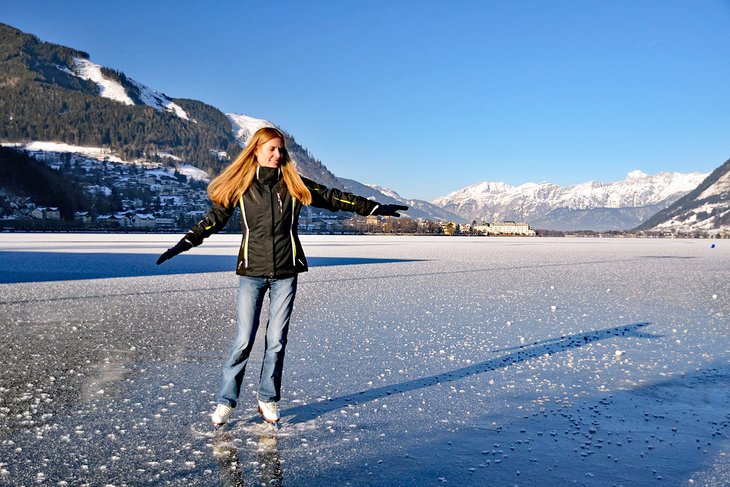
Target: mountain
point(417, 208)
point(52, 93)
point(706, 209)
point(55, 93)
point(55, 99)
point(588, 206)
point(244, 127)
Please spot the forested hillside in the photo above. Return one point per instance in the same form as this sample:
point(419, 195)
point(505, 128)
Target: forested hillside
point(24, 176)
point(41, 100)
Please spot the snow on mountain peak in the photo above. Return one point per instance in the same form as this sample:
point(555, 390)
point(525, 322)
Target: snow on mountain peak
point(244, 126)
point(544, 201)
point(636, 174)
point(386, 192)
point(114, 90)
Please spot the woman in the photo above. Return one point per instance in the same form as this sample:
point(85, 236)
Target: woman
point(264, 183)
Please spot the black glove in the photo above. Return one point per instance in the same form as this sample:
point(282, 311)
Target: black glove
point(389, 210)
point(179, 247)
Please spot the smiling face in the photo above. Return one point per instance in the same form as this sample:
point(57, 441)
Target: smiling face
point(271, 153)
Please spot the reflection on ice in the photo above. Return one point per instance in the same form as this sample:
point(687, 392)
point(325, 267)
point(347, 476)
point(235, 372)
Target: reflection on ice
point(264, 470)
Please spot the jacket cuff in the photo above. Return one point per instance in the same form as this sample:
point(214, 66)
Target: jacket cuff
point(192, 238)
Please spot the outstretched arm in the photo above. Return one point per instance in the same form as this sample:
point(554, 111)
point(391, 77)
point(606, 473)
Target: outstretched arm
point(333, 199)
point(216, 219)
point(388, 210)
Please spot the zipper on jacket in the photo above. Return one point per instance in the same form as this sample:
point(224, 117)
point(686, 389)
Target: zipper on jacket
point(291, 231)
point(247, 233)
point(273, 233)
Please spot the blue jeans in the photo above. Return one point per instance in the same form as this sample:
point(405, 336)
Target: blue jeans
point(251, 291)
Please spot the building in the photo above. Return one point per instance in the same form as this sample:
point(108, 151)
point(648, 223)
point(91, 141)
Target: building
point(82, 217)
point(46, 213)
point(449, 228)
point(162, 223)
point(143, 221)
point(505, 228)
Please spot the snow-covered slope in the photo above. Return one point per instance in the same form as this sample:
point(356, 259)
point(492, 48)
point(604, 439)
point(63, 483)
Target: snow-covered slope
point(706, 209)
point(387, 192)
point(114, 90)
point(98, 153)
point(49, 151)
point(244, 126)
point(591, 206)
point(193, 172)
point(108, 88)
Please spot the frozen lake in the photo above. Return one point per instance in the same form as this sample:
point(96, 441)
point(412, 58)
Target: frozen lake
point(411, 361)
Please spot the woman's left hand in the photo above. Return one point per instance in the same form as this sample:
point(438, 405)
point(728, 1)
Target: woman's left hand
point(389, 210)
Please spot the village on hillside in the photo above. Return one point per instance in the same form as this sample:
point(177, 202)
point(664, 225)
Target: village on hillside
point(150, 197)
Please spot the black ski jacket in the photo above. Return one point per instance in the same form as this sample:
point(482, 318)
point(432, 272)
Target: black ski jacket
point(269, 221)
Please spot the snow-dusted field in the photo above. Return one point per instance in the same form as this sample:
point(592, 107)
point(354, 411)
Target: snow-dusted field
point(412, 361)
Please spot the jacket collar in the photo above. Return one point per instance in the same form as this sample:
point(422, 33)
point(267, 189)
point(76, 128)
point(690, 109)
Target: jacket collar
point(268, 175)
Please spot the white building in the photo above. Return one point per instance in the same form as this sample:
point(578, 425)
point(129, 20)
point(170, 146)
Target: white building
point(505, 228)
point(143, 221)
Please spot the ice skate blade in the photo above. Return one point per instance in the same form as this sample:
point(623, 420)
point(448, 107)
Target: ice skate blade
point(264, 418)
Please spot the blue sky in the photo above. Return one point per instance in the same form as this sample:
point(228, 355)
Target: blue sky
point(427, 97)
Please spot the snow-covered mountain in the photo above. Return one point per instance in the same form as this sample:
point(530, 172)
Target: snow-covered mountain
point(416, 208)
point(48, 88)
point(244, 126)
point(588, 206)
point(706, 209)
point(115, 89)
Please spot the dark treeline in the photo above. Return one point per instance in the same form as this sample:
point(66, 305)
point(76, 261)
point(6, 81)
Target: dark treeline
point(44, 112)
point(25, 176)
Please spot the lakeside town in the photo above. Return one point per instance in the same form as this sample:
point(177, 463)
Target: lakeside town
point(149, 196)
point(316, 222)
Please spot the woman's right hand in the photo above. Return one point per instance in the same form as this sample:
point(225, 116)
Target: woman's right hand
point(179, 247)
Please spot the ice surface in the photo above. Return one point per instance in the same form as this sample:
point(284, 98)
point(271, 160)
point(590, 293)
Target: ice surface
point(411, 361)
